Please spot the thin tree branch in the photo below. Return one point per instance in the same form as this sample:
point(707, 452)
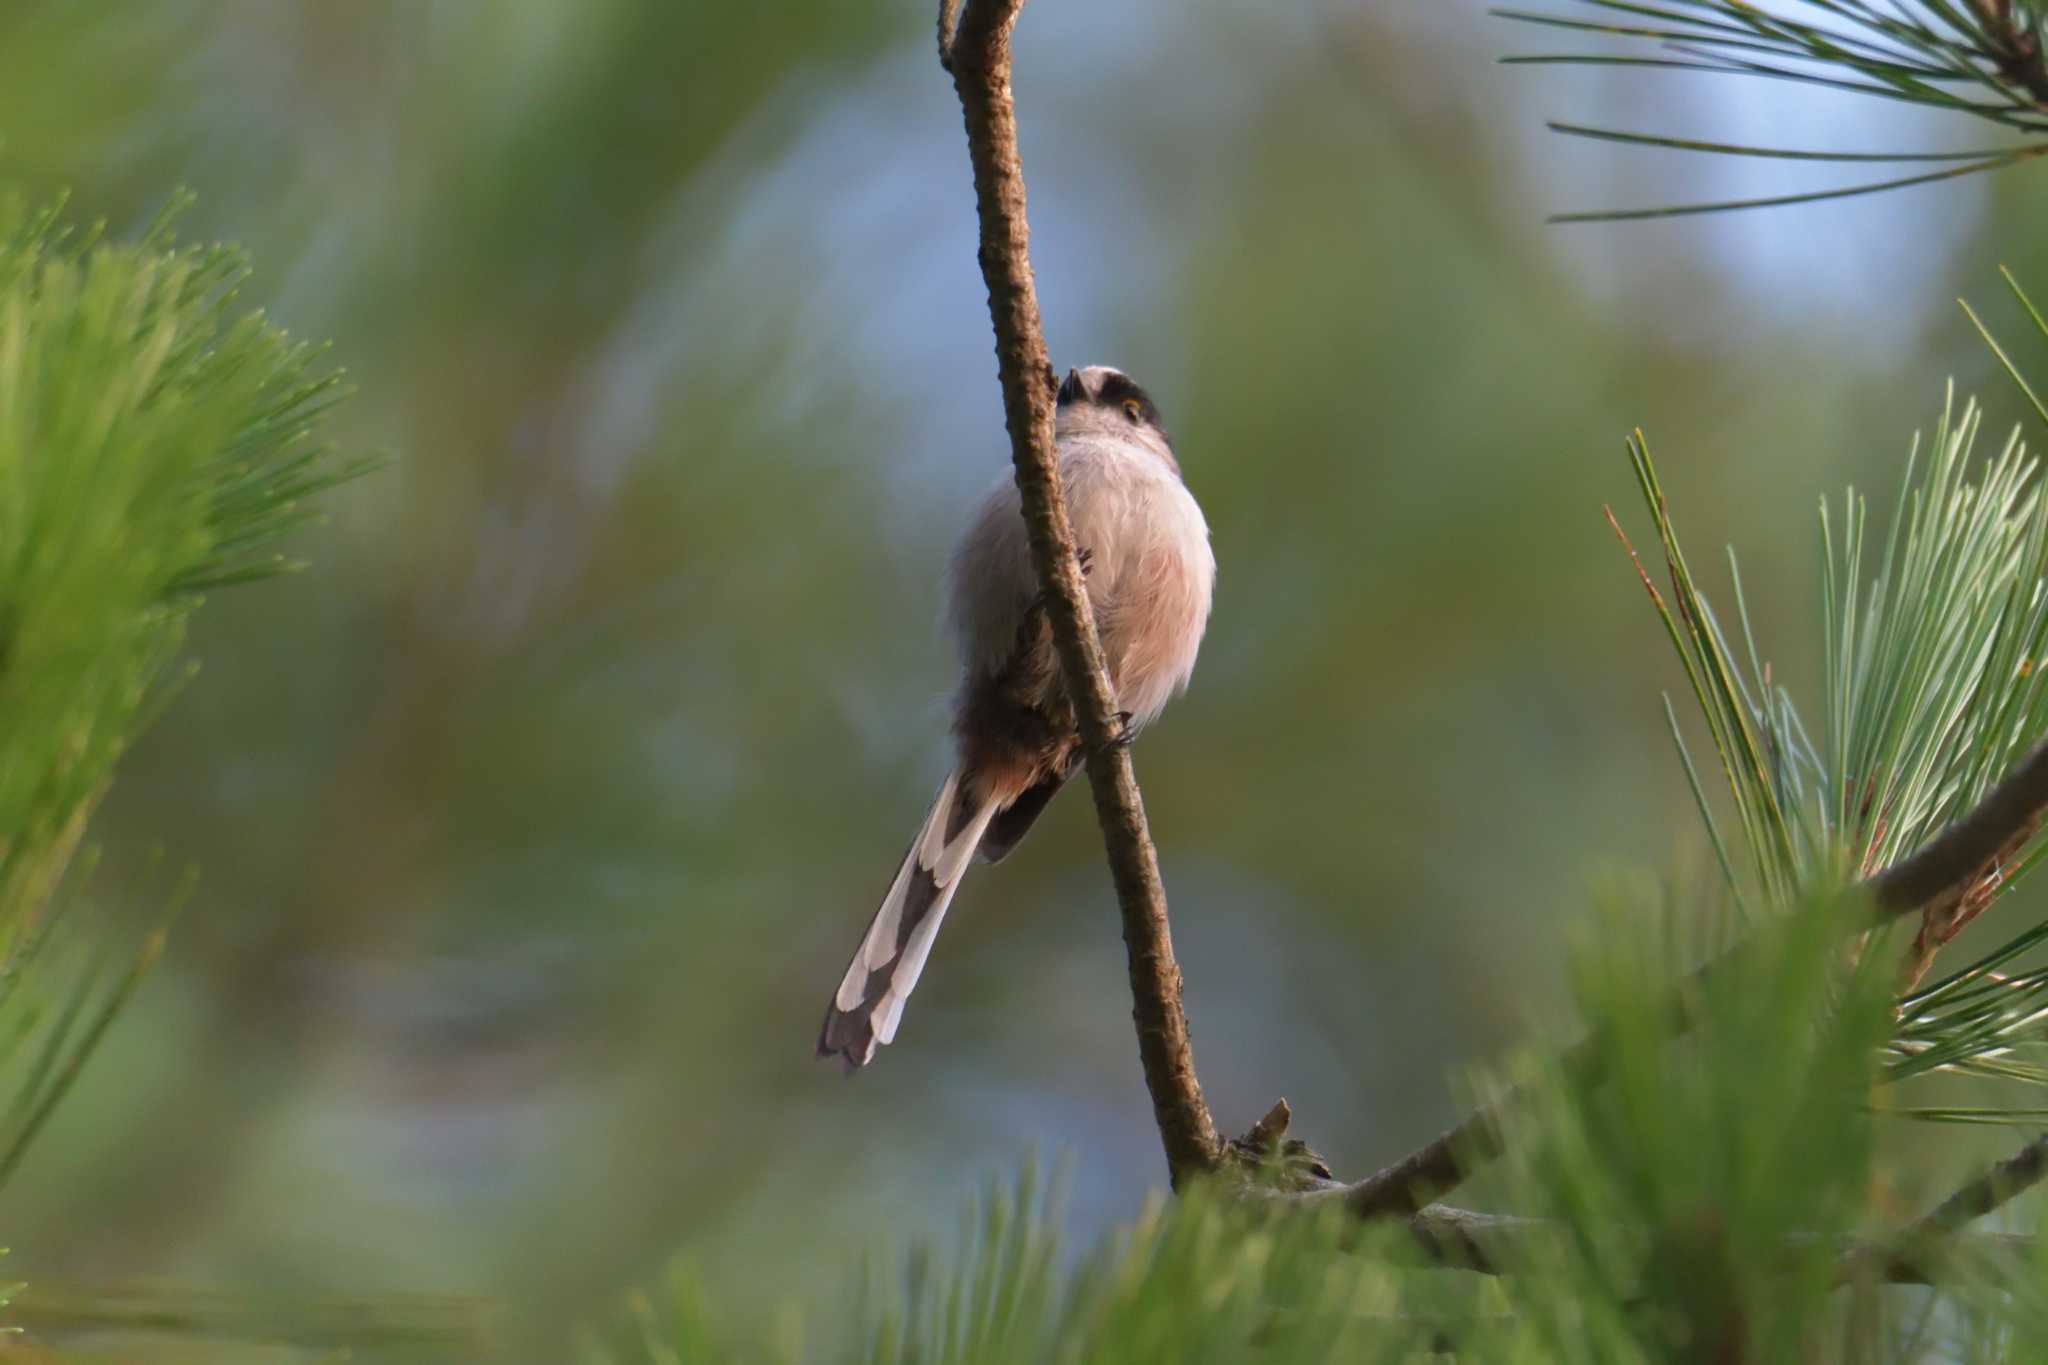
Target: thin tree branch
point(949, 25)
point(980, 59)
point(1498, 1244)
point(2013, 1248)
point(1449, 1238)
point(1933, 1239)
point(2006, 1181)
point(1956, 877)
point(1486, 1243)
point(1957, 858)
point(1942, 873)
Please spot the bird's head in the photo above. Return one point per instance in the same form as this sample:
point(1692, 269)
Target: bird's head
point(1100, 401)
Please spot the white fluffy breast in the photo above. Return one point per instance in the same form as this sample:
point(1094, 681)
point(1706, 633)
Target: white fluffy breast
point(1149, 579)
point(1152, 573)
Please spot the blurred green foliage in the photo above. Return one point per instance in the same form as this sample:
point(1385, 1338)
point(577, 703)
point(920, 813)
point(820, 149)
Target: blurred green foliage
point(1694, 1204)
point(154, 438)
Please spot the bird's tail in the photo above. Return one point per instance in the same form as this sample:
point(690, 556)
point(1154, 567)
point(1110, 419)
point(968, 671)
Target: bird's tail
point(865, 1011)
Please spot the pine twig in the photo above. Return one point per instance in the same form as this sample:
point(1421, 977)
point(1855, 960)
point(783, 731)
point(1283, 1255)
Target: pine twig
point(949, 26)
point(1912, 1256)
point(2006, 1181)
point(2013, 50)
point(1953, 879)
point(1956, 859)
point(1449, 1238)
point(1942, 872)
point(979, 57)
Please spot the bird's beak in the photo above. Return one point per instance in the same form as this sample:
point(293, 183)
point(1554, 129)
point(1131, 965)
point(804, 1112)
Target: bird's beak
point(1070, 388)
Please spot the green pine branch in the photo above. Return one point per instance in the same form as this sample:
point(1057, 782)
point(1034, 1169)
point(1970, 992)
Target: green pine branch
point(1980, 59)
point(157, 439)
point(1934, 685)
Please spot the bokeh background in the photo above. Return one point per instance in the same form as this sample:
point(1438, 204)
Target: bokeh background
point(536, 822)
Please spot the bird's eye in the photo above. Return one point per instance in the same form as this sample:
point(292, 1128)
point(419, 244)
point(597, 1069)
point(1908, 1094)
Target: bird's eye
point(1134, 410)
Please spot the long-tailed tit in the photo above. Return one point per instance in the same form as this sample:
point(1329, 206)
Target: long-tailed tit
point(1145, 552)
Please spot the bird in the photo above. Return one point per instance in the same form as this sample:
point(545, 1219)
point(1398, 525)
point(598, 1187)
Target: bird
point(1150, 572)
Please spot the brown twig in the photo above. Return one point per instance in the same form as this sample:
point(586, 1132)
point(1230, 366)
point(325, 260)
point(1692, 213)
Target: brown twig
point(1496, 1244)
point(1449, 1238)
point(1269, 1131)
point(2006, 1181)
point(1951, 910)
point(1945, 871)
point(1913, 1255)
point(949, 25)
point(979, 53)
point(1953, 879)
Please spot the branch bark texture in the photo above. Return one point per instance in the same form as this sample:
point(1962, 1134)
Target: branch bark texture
point(975, 46)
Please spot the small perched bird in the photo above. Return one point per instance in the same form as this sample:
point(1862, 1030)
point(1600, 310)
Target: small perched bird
point(1144, 550)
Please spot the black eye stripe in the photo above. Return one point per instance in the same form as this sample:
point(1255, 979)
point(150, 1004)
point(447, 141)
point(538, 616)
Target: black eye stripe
point(1118, 390)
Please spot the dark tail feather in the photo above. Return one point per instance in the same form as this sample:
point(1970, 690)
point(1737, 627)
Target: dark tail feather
point(869, 1003)
point(1012, 823)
